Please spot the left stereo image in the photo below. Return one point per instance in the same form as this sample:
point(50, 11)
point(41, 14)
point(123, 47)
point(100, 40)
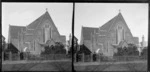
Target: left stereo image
point(36, 36)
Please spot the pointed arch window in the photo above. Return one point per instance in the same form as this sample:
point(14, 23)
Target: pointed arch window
point(107, 46)
point(116, 36)
point(47, 32)
point(50, 30)
point(43, 35)
point(123, 34)
point(120, 34)
point(34, 45)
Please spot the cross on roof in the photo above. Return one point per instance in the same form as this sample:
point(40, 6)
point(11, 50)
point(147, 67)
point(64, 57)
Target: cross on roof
point(119, 10)
point(46, 9)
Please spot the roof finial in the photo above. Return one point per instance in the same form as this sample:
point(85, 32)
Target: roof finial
point(46, 9)
point(119, 10)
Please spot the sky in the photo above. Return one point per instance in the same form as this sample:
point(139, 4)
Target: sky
point(97, 14)
point(22, 14)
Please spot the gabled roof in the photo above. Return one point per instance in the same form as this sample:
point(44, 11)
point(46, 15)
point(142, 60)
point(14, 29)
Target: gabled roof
point(14, 30)
point(2, 37)
point(12, 48)
point(111, 22)
point(38, 21)
point(107, 25)
point(84, 49)
point(75, 38)
point(87, 31)
point(34, 24)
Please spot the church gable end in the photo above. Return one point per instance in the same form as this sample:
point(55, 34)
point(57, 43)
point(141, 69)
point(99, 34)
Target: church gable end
point(35, 35)
point(120, 31)
point(120, 22)
point(112, 34)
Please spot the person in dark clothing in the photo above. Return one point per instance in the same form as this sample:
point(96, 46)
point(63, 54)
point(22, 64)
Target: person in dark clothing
point(94, 57)
point(21, 56)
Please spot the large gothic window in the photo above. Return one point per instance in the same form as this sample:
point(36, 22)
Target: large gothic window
point(107, 46)
point(34, 45)
point(43, 35)
point(47, 32)
point(123, 34)
point(120, 34)
point(50, 30)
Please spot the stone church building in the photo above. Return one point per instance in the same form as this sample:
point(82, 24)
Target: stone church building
point(35, 36)
point(107, 38)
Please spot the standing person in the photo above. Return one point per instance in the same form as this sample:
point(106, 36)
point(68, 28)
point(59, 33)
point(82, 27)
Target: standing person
point(94, 56)
point(21, 56)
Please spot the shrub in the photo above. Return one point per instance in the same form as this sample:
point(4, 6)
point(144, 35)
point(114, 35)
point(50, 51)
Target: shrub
point(144, 52)
point(131, 50)
point(57, 49)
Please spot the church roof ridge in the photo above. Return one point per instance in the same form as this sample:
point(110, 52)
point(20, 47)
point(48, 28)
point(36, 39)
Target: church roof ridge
point(16, 26)
point(109, 23)
point(40, 19)
point(35, 22)
point(62, 35)
point(89, 27)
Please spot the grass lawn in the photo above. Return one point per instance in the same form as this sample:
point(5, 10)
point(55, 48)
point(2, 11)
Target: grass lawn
point(114, 67)
point(47, 66)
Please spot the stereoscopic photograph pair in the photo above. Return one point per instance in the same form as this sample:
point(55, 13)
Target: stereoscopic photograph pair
point(74, 36)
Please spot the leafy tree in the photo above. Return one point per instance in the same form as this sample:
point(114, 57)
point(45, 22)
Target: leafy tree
point(58, 48)
point(127, 51)
point(144, 52)
point(72, 49)
point(11, 48)
point(84, 49)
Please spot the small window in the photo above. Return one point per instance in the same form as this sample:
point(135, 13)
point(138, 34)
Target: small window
point(43, 35)
point(107, 46)
point(34, 45)
point(29, 43)
point(50, 30)
point(116, 36)
point(51, 33)
point(124, 34)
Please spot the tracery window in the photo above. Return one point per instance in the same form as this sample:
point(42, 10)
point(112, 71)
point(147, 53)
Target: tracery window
point(107, 46)
point(47, 32)
point(34, 45)
point(120, 34)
